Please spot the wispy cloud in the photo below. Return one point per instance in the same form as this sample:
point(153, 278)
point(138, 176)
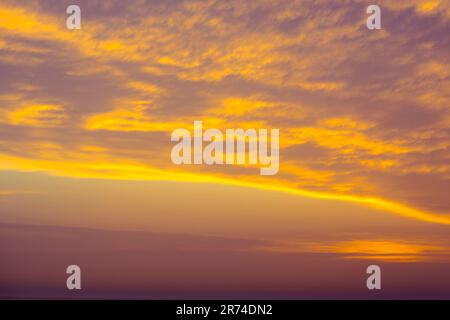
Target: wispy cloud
point(388, 250)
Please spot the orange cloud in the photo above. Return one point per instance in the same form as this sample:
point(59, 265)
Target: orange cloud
point(373, 249)
point(37, 116)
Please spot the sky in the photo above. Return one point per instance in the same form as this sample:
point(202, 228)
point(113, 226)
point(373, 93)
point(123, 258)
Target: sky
point(364, 117)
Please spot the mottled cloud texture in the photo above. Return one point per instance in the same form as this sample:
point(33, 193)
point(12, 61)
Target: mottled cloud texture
point(363, 115)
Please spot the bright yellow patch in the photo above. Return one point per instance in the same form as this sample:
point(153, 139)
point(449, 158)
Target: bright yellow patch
point(429, 6)
point(37, 116)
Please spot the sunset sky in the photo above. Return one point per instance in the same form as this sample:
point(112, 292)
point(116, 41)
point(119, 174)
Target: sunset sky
point(364, 118)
